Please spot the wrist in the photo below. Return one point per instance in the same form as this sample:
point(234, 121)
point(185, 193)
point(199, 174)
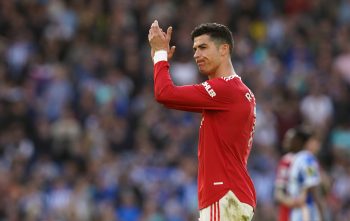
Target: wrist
point(160, 55)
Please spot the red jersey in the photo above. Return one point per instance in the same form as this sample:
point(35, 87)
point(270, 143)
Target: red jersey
point(226, 131)
point(282, 182)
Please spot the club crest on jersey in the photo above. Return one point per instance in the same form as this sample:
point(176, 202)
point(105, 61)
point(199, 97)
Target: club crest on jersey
point(208, 88)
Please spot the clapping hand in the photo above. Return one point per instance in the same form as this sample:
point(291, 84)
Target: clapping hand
point(159, 40)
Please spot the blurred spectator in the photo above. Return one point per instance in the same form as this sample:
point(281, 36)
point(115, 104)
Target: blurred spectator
point(317, 109)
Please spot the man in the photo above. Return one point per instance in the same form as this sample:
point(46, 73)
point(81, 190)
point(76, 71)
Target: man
point(293, 141)
point(298, 178)
point(225, 190)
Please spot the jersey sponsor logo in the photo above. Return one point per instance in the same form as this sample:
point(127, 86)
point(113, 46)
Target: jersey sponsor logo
point(208, 88)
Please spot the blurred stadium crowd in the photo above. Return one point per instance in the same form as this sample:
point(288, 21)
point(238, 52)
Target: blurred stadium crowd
point(82, 139)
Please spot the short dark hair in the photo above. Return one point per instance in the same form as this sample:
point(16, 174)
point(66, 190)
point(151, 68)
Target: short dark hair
point(303, 133)
point(217, 32)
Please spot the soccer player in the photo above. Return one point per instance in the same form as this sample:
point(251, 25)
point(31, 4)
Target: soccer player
point(293, 141)
point(225, 189)
point(298, 178)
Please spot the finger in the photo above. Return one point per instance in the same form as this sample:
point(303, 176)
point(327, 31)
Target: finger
point(155, 23)
point(150, 34)
point(164, 34)
point(169, 31)
point(156, 30)
point(172, 49)
point(171, 52)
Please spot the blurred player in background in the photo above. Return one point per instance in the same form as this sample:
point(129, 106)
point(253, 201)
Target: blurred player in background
point(298, 178)
point(225, 189)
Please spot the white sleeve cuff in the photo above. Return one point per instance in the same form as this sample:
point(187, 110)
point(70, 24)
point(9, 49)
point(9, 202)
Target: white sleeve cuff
point(161, 55)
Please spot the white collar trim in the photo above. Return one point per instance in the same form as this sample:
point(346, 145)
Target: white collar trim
point(230, 77)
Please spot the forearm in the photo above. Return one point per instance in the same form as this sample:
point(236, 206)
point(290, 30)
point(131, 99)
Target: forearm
point(163, 85)
point(289, 201)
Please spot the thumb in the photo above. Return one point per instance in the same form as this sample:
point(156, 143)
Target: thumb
point(171, 52)
point(169, 31)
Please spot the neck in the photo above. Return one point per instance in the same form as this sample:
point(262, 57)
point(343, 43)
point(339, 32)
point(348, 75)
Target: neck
point(224, 70)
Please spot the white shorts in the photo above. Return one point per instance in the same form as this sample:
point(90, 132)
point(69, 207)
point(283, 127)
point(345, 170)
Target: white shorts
point(229, 208)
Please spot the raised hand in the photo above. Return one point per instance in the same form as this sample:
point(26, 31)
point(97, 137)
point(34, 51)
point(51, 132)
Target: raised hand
point(159, 40)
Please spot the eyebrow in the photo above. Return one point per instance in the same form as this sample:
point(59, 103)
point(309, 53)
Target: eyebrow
point(200, 45)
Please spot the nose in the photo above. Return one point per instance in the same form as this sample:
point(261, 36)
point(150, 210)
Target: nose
point(196, 54)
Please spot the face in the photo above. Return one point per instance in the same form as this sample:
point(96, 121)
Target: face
point(313, 145)
point(206, 54)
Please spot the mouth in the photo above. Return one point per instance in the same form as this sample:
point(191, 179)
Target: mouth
point(200, 63)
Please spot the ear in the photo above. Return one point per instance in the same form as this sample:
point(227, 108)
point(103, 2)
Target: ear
point(224, 49)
